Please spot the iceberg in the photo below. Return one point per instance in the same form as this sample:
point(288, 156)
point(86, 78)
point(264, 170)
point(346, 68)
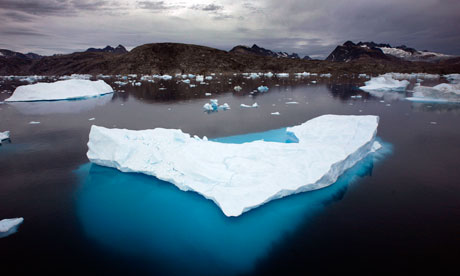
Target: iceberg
point(237, 88)
point(444, 92)
point(60, 90)
point(5, 135)
point(262, 89)
point(240, 177)
point(9, 226)
point(385, 83)
point(213, 105)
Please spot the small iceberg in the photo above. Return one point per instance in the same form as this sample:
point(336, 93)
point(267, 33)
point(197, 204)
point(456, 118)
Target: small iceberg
point(385, 83)
point(444, 92)
point(240, 177)
point(9, 226)
point(213, 105)
point(292, 103)
point(262, 89)
point(254, 105)
point(275, 113)
point(237, 88)
point(5, 135)
point(282, 75)
point(60, 90)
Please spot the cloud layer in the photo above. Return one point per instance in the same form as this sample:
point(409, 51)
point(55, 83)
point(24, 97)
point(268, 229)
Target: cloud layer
point(308, 27)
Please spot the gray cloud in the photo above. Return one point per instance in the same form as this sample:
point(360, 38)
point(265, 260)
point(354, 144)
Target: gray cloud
point(157, 6)
point(208, 7)
point(308, 27)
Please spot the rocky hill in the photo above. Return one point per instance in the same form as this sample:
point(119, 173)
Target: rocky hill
point(256, 50)
point(351, 51)
point(171, 58)
point(120, 49)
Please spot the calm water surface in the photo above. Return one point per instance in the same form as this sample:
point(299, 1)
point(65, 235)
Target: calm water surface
point(395, 211)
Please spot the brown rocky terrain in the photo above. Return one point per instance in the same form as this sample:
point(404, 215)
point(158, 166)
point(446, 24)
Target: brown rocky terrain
point(171, 58)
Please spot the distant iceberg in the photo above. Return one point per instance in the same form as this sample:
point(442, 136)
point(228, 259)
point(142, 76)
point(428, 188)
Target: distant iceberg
point(385, 83)
point(9, 226)
point(254, 105)
point(60, 90)
point(262, 89)
point(240, 177)
point(444, 92)
point(213, 105)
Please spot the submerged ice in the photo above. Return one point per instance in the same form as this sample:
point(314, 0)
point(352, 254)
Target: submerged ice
point(239, 177)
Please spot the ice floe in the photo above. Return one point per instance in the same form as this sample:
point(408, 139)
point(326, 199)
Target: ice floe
point(240, 177)
point(5, 135)
point(262, 89)
point(60, 90)
point(237, 88)
point(9, 226)
point(254, 105)
point(444, 92)
point(213, 105)
point(275, 113)
point(385, 83)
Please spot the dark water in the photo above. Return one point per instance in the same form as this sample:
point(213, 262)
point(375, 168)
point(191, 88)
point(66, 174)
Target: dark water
point(397, 211)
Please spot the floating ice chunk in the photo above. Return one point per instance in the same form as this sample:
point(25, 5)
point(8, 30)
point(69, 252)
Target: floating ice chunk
point(120, 83)
point(5, 135)
point(207, 94)
point(453, 78)
point(282, 75)
point(328, 75)
point(60, 90)
point(34, 123)
point(268, 75)
point(192, 85)
point(213, 105)
point(356, 97)
point(91, 119)
point(313, 81)
point(254, 105)
point(254, 76)
point(76, 77)
point(137, 83)
point(199, 78)
point(262, 89)
point(9, 226)
point(166, 77)
point(362, 76)
point(240, 177)
point(191, 76)
point(292, 103)
point(208, 78)
point(385, 83)
point(275, 113)
point(237, 88)
point(186, 81)
point(444, 92)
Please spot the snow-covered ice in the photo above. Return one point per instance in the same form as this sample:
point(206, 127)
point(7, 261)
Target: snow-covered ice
point(385, 83)
point(9, 226)
point(60, 90)
point(240, 177)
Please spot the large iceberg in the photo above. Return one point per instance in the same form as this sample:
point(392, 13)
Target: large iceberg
point(385, 83)
point(240, 177)
point(60, 90)
point(9, 226)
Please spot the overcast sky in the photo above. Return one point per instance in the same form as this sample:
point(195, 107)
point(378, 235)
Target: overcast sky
point(308, 27)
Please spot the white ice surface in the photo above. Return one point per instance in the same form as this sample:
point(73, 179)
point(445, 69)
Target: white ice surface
point(385, 83)
point(444, 92)
point(60, 90)
point(8, 226)
point(240, 177)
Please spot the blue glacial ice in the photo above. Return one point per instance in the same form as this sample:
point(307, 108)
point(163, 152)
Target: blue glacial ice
point(240, 177)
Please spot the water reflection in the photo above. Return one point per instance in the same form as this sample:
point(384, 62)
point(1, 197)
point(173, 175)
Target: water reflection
point(147, 218)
